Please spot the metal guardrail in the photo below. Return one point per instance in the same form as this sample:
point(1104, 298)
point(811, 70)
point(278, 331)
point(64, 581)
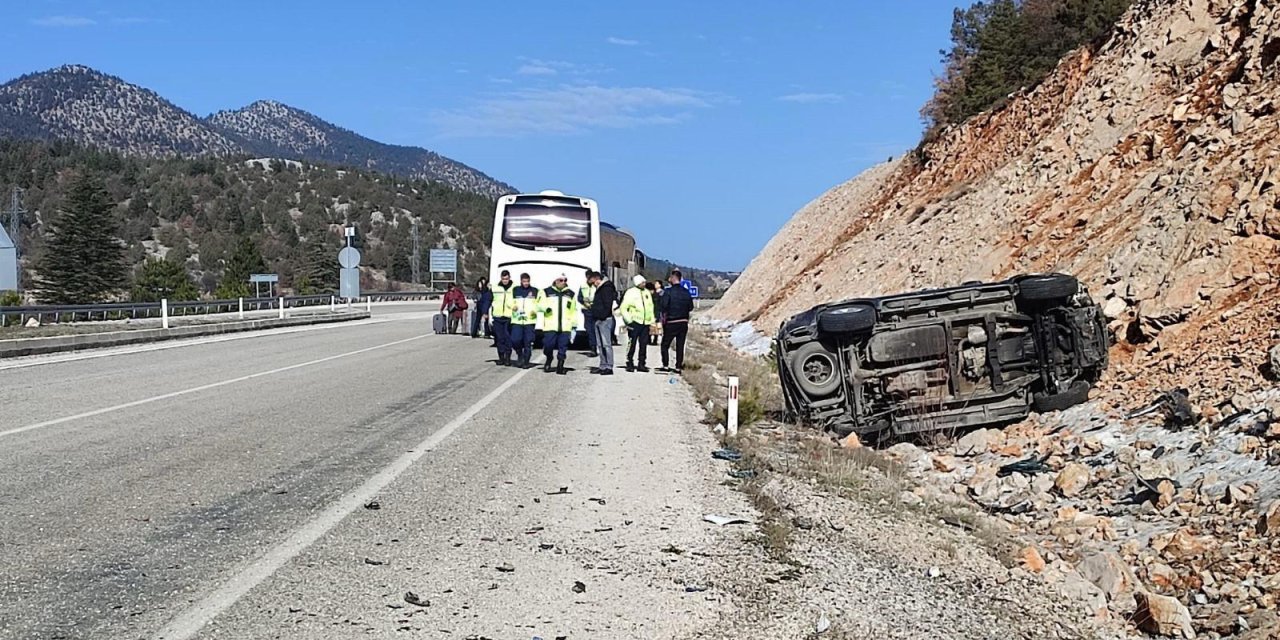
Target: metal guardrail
point(54, 314)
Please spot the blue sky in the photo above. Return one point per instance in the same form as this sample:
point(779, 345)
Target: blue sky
point(702, 126)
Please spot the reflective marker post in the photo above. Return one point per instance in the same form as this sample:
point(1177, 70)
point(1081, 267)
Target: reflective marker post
point(242, 308)
point(164, 313)
point(733, 406)
point(282, 308)
point(333, 304)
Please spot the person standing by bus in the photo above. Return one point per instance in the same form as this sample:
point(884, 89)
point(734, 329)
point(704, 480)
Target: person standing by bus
point(637, 315)
point(586, 294)
point(602, 305)
point(501, 311)
point(559, 319)
point(484, 302)
point(524, 320)
point(675, 305)
point(455, 305)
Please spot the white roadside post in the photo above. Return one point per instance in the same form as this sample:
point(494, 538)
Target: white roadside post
point(333, 304)
point(242, 308)
point(282, 308)
point(164, 313)
point(368, 304)
point(732, 417)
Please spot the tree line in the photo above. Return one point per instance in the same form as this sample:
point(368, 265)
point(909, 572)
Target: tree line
point(105, 227)
point(1001, 46)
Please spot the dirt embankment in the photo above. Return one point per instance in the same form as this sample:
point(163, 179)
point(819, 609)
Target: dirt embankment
point(1148, 168)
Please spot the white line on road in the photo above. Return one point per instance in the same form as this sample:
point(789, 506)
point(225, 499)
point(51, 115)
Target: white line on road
point(203, 387)
point(202, 612)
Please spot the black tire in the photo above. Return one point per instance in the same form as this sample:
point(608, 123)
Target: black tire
point(854, 318)
point(1052, 286)
point(815, 369)
point(1073, 395)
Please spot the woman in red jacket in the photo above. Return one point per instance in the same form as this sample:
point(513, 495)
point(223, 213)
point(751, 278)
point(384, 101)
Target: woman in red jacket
point(454, 304)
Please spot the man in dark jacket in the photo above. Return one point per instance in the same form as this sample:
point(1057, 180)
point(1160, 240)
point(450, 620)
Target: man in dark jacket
point(484, 300)
point(602, 304)
point(675, 306)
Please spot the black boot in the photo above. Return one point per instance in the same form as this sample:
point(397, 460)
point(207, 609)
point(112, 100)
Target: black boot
point(560, 366)
point(547, 366)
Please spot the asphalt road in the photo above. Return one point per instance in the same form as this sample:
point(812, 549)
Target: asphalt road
point(217, 489)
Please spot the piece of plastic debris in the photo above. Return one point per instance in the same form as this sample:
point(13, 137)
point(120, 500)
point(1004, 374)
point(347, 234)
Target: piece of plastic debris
point(412, 598)
point(1027, 467)
point(726, 454)
point(373, 505)
point(724, 520)
point(376, 563)
point(579, 587)
point(505, 567)
point(742, 473)
point(822, 625)
point(563, 491)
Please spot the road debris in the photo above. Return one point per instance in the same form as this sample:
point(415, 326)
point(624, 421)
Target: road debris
point(376, 563)
point(413, 599)
point(732, 455)
point(505, 567)
point(724, 520)
point(373, 505)
point(579, 587)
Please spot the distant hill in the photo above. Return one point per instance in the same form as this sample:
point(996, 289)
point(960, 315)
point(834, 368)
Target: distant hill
point(85, 106)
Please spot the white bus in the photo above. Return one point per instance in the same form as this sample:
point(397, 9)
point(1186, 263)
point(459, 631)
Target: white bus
point(549, 233)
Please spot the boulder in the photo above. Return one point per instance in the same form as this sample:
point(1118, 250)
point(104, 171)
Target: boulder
point(1108, 572)
point(1269, 521)
point(1163, 615)
point(1275, 360)
point(975, 442)
point(1114, 308)
point(1072, 479)
point(851, 441)
point(1031, 559)
point(32, 323)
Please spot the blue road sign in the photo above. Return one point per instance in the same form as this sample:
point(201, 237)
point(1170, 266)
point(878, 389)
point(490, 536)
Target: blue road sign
point(693, 291)
point(687, 284)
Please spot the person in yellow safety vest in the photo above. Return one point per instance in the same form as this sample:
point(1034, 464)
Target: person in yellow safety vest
point(524, 320)
point(559, 320)
point(587, 295)
point(637, 314)
point(500, 311)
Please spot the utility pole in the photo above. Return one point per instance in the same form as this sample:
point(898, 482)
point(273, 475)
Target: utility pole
point(415, 259)
point(12, 221)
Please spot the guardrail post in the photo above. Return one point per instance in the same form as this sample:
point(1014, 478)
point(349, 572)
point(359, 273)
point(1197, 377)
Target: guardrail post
point(242, 308)
point(282, 308)
point(164, 313)
point(732, 417)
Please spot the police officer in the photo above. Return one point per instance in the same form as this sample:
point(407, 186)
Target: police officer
point(637, 315)
point(524, 320)
point(559, 319)
point(587, 294)
point(501, 314)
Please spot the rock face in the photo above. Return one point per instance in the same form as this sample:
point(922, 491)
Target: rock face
point(1148, 168)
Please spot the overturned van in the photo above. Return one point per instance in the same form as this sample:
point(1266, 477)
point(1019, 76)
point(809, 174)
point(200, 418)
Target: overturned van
point(943, 359)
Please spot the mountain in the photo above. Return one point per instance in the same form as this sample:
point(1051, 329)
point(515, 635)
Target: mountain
point(1147, 166)
point(275, 129)
point(85, 106)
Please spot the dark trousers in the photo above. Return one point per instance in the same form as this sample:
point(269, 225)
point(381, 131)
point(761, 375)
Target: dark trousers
point(502, 336)
point(480, 324)
point(589, 325)
point(674, 331)
point(638, 335)
point(556, 342)
point(522, 340)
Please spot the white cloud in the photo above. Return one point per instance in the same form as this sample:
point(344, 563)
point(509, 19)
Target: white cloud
point(136, 20)
point(572, 109)
point(536, 70)
point(812, 98)
point(64, 21)
point(622, 42)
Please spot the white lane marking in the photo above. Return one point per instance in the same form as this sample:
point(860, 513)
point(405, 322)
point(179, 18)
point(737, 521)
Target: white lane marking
point(203, 611)
point(75, 356)
point(203, 387)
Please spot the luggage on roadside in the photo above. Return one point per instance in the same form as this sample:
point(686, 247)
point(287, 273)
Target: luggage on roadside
point(439, 323)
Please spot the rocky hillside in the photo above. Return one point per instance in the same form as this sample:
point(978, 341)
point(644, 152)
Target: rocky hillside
point(1148, 167)
point(79, 104)
point(275, 129)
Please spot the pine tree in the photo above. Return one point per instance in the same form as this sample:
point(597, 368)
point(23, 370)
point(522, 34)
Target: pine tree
point(161, 279)
point(319, 270)
point(245, 260)
point(83, 261)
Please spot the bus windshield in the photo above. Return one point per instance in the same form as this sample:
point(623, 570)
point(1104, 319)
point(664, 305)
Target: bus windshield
point(559, 227)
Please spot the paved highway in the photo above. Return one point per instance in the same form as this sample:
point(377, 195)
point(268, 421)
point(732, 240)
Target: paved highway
point(218, 489)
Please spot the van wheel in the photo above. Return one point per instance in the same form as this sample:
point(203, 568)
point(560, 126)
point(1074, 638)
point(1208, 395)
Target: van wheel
point(816, 370)
point(1073, 395)
point(854, 318)
point(1052, 286)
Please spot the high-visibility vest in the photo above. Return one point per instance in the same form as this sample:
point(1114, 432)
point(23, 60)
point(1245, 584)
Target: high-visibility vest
point(502, 299)
point(637, 306)
point(586, 295)
point(524, 306)
point(559, 309)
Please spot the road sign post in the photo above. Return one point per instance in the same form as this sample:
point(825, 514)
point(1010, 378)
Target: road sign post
point(349, 275)
point(269, 279)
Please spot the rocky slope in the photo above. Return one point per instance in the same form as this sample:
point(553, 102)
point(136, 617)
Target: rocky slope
point(1147, 167)
point(83, 105)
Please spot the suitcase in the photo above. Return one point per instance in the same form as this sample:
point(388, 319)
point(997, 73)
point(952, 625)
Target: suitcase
point(439, 323)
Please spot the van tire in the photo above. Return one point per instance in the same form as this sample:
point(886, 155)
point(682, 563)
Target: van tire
point(854, 318)
point(815, 369)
